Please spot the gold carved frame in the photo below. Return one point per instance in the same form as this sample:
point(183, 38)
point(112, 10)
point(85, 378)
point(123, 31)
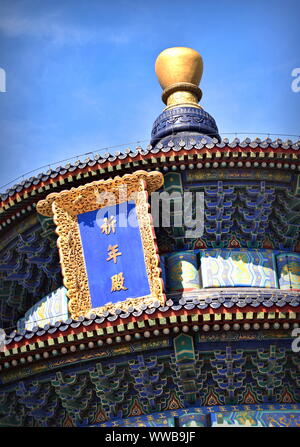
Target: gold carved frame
point(64, 208)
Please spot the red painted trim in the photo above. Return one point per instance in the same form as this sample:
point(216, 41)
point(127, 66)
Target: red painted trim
point(145, 317)
point(171, 153)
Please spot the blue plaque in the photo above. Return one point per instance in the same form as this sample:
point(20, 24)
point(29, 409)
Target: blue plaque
point(113, 254)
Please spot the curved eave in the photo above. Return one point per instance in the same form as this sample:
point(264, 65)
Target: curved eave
point(231, 311)
point(22, 198)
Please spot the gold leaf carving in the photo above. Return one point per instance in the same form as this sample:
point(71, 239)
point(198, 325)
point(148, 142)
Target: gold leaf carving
point(66, 205)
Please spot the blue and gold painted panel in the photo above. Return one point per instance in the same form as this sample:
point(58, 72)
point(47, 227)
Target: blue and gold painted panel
point(288, 266)
point(193, 420)
point(256, 419)
point(216, 416)
point(183, 271)
point(195, 269)
point(113, 254)
point(238, 268)
point(50, 309)
point(159, 420)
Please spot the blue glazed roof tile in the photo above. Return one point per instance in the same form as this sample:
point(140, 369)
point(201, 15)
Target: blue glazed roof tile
point(76, 324)
point(202, 306)
point(163, 308)
point(268, 303)
point(215, 305)
point(227, 299)
point(176, 307)
point(29, 335)
point(99, 320)
point(189, 306)
point(241, 304)
point(150, 311)
point(42, 332)
point(228, 304)
point(255, 303)
point(87, 322)
point(173, 143)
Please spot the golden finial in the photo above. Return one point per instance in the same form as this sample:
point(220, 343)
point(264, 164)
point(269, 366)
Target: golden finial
point(179, 71)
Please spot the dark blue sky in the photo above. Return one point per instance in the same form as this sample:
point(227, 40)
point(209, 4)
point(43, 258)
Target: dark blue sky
point(80, 74)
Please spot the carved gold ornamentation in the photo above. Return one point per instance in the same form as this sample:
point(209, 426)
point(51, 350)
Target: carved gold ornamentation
point(66, 205)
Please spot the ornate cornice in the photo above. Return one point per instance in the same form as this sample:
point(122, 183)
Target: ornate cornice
point(179, 154)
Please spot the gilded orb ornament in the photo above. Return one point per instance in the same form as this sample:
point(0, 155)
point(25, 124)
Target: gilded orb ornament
point(179, 71)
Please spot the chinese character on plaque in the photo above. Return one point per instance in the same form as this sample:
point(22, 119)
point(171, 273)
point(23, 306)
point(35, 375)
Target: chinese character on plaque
point(114, 260)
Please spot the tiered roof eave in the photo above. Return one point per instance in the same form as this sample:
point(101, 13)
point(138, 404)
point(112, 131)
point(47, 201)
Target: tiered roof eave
point(188, 153)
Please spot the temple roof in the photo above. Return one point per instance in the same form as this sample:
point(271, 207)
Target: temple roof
point(178, 153)
point(249, 302)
